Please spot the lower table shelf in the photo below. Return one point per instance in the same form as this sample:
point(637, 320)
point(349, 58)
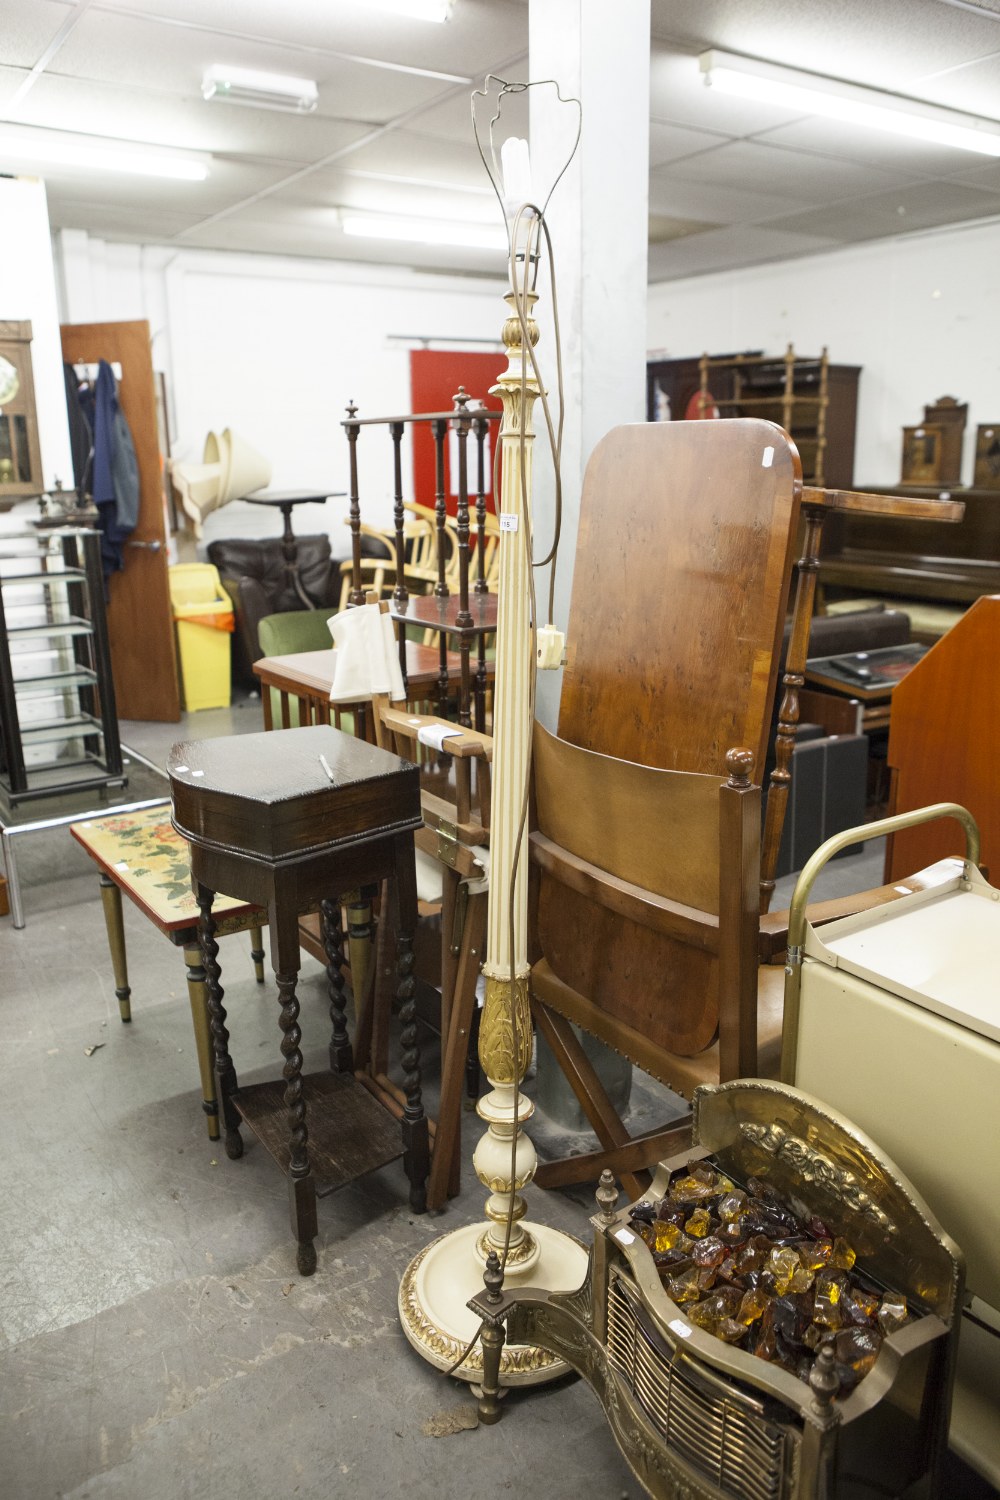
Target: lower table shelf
point(350, 1133)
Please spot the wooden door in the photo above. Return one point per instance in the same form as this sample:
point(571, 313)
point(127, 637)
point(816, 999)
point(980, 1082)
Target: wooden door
point(140, 621)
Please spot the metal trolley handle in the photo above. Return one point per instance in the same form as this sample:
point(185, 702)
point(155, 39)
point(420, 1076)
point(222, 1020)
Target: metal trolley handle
point(804, 885)
point(825, 852)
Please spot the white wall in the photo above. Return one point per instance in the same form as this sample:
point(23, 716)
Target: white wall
point(919, 313)
point(275, 348)
point(28, 291)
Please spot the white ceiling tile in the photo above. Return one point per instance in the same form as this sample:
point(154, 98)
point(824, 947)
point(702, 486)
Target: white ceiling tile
point(27, 27)
point(985, 176)
point(919, 207)
point(671, 142)
point(409, 154)
point(891, 153)
point(114, 221)
point(10, 80)
point(171, 60)
point(974, 88)
point(669, 194)
point(336, 187)
point(721, 249)
point(663, 228)
point(480, 34)
point(881, 43)
point(811, 178)
point(122, 112)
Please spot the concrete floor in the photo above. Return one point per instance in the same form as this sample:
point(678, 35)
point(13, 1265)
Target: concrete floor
point(155, 1339)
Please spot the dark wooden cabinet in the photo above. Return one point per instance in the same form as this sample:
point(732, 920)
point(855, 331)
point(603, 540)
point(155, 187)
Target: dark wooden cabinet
point(814, 401)
point(917, 559)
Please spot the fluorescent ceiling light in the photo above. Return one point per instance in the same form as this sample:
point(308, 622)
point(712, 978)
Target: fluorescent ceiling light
point(100, 156)
point(265, 90)
point(424, 231)
point(810, 94)
point(416, 10)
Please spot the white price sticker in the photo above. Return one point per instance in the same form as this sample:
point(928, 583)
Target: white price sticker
point(508, 521)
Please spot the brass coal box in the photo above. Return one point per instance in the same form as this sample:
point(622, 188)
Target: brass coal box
point(700, 1419)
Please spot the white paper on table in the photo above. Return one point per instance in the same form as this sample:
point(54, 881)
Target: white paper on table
point(366, 660)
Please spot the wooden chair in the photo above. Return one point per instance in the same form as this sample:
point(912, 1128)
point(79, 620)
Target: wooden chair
point(647, 858)
point(378, 574)
point(491, 551)
point(455, 804)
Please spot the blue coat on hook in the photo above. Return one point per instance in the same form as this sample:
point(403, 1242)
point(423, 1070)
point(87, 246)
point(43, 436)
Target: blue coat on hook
point(114, 480)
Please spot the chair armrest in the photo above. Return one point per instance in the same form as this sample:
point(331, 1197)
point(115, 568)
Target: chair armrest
point(462, 746)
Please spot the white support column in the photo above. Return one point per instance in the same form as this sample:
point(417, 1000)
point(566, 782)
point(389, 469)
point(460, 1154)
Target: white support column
point(598, 218)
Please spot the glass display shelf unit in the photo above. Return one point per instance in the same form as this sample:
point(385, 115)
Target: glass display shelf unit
point(56, 688)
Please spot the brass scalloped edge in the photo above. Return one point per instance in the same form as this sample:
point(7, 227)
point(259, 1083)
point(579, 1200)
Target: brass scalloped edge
point(516, 1358)
point(515, 1254)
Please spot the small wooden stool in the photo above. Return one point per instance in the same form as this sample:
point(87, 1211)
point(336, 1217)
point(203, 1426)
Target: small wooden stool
point(142, 854)
point(288, 819)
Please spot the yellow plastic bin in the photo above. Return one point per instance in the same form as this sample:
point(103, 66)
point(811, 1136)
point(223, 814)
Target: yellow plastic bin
point(203, 621)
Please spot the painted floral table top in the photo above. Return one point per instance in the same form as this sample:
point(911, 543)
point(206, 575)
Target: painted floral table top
point(144, 855)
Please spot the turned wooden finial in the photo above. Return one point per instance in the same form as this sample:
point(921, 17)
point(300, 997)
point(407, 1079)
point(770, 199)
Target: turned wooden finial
point(607, 1195)
point(739, 764)
point(461, 399)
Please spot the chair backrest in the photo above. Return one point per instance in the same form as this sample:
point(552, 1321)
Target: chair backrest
point(264, 560)
point(680, 587)
point(639, 870)
point(421, 536)
point(648, 859)
point(294, 631)
point(491, 552)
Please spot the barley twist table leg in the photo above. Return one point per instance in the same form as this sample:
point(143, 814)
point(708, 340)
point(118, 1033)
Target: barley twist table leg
point(198, 996)
point(341, 1055)
point(225, 1072)
point(416, 1138)
point(301, 1183)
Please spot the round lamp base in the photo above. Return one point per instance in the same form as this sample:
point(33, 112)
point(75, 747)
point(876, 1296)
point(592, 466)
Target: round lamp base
point(439, 1281)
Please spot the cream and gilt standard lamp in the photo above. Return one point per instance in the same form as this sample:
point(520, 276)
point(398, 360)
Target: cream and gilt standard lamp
point(440, 1280)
